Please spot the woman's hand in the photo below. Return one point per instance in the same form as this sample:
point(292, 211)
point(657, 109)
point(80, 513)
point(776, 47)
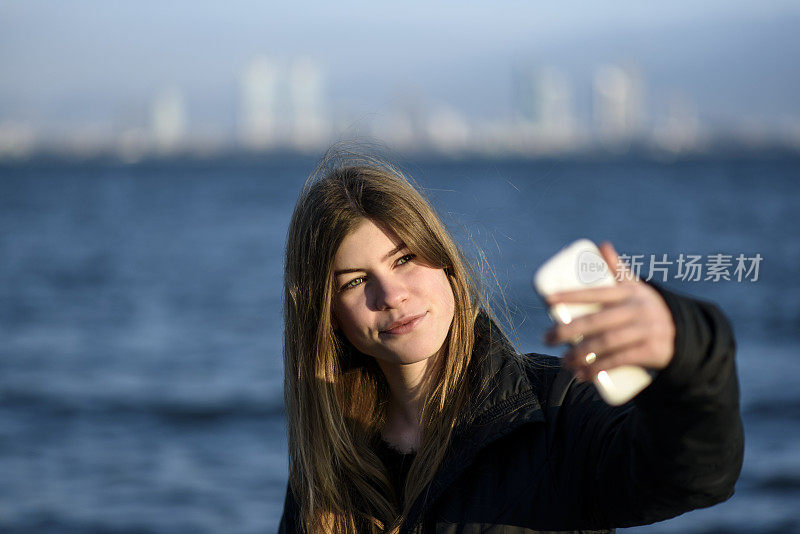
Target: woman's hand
point(633, 327)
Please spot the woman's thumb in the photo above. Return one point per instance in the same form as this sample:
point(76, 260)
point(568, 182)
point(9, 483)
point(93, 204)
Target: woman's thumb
point(619, 269)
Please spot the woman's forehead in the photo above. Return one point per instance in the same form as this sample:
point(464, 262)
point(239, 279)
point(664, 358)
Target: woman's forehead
point(366, 241)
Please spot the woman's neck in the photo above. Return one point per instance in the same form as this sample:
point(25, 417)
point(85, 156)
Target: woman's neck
point(408, 386)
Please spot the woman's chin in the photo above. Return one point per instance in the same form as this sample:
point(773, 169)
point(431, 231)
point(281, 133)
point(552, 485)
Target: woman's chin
point(408, 358)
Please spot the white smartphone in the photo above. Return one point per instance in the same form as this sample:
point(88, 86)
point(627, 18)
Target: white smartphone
point(580, 265)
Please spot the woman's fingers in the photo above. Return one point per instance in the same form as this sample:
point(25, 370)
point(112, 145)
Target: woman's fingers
point(601, 295)
point(629, 355)
point(598, 347)
point(619, 269)
point(633, 327)
point(649, 341)
point(587, 325)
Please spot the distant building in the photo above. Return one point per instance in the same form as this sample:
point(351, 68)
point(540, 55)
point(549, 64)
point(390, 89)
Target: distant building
point(310, 128)
point(618, 105)
point(447, 129)
point(406, 125)
point(543, 107)
point(168, 120)
point(679, 128)
point(17, 139)
point(258, 114)
point(395, 128)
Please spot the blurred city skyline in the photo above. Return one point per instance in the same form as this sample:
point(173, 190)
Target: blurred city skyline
point(533, 79)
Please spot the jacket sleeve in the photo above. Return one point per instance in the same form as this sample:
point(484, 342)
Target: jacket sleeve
point(676, 446)
point(289, 519)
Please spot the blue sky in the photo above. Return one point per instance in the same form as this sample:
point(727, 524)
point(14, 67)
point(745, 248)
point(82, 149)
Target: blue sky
point(99, 60)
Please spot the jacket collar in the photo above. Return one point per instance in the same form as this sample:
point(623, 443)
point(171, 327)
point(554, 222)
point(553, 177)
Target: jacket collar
point(507, 401)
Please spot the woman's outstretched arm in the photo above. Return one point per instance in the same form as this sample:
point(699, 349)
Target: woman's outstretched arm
point(676, 447)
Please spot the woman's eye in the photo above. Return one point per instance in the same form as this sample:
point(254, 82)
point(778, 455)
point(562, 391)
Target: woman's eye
point(353, 283)
point(405, 259)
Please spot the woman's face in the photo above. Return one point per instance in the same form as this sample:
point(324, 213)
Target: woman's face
point(388, 304)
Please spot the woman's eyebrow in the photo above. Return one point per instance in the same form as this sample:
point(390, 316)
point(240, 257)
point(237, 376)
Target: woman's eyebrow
point(388, 255)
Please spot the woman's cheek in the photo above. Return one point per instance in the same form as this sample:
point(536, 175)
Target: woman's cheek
point(445, 294)
point(350, 320)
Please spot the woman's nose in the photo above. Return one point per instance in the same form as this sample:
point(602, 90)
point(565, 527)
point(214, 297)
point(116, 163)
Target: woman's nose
point(389, 292)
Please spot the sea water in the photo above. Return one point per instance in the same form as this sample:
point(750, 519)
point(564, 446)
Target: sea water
point(140, 320)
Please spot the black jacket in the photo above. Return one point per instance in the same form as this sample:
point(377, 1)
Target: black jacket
point(546, 453)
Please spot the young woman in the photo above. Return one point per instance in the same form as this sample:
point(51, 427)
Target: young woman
point(409, 411)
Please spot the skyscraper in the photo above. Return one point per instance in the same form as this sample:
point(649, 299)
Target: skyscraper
point(306, 93)
point(257, 114)
point(618, 105)
point(168, 120)
point(544, 108)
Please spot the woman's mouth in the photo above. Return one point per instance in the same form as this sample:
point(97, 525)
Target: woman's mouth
point(405, 325)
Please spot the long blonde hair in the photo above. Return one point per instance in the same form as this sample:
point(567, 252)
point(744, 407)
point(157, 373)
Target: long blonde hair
point(335, 396)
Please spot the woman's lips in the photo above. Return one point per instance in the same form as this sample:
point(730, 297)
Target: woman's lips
point(407, 327)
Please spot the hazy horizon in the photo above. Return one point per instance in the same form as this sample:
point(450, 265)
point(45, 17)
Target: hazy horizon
point(85, 63)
